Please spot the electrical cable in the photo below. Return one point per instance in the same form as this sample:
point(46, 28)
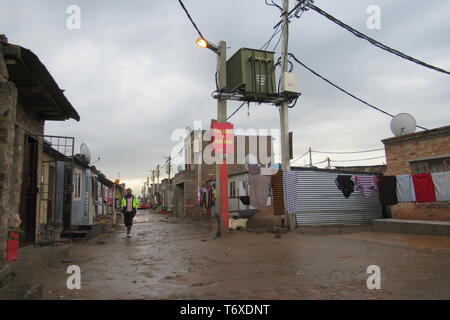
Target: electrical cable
point(190, 18)
point(273, 4)
point(279, 39)
point(349, 152)
point(301, 5)
point(266, 45)
point(373, 41)
point(355, 160)
point(300, 156)
point(343, 90)
point(235, 111)
point(320, 162)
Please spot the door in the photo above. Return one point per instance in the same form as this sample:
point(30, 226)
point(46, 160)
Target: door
point(29, 191)
point(68, 191)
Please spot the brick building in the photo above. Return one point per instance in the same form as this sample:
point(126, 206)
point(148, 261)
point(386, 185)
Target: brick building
point(28, 97)
point(421, 152)
point(185, 184)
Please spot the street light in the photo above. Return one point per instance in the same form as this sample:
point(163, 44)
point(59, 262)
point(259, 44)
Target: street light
point(221, 168)
point(203, 43)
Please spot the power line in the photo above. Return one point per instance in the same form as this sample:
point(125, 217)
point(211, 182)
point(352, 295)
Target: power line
point(300, 156)
point(373, 41)
point(273, 4)
point(349, 152)
point(190, 18)
point(355, 160)
point(343, 90)
point(278, 42)
point(235, 111)
point(302, 5)
point(320, 162)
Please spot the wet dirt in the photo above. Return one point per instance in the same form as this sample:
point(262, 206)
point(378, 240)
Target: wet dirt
point(172, 259)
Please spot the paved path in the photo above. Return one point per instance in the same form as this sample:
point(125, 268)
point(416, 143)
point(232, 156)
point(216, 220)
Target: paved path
point(170, 259)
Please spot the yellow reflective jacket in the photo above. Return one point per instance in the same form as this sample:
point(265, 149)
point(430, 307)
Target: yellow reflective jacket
point(135, 202)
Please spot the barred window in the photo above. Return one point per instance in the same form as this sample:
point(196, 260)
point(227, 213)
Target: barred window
point(430, 166)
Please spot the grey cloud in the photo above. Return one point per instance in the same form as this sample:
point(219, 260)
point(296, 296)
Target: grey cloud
point(134, 73)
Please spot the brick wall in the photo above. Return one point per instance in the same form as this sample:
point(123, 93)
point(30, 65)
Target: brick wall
point(8, 102)
point(399, 151)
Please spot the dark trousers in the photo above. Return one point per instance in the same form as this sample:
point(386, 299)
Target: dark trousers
point(128, 218)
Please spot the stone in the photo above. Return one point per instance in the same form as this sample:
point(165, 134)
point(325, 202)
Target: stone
point(34, 293)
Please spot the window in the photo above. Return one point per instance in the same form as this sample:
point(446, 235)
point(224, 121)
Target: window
point(430, 166)
point(78, 183)
point(233, 191)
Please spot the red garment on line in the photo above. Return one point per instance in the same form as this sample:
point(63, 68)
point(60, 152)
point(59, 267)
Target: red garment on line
point(424, 187)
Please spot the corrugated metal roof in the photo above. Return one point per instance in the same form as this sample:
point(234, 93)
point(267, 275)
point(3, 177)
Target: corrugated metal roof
point(37, 88)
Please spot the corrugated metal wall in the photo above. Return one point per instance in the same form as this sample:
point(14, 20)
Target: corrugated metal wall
point(322, 203)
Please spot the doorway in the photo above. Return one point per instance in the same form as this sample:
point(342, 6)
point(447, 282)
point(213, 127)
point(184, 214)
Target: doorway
point(29, 191)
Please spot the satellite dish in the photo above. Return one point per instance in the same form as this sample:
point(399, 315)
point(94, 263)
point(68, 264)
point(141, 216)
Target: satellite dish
point(402, 124)
point(84, 150)
point(180, 168)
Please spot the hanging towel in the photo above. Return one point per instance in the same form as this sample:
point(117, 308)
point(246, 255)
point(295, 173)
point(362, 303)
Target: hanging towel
point(245, 200)
point(441, 182)
point(366, 184)
point(387, 190)
point(259, 188)
point(424, 187)
point(345, 184)
point(291, 192)
point(405, 188)
point(241, 189)
point(278, 193)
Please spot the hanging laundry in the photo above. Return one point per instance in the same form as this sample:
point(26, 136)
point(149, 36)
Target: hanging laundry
point(278, 193)
point(366, 184)
point(424, 187)
point(405, 188)
point(254, 169)
point(241, 189)
point(259, 187)
point(245, 200)
point(291, 192)
point(345, 184)
point(441, 181)
point(387, 190)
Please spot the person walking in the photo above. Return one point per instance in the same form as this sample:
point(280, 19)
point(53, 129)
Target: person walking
point(130, 205)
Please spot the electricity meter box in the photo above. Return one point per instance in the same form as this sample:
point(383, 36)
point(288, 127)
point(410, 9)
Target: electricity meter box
point(251, 72)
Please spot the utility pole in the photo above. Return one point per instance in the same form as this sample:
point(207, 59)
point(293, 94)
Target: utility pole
point(198, 156)
point(169, 184)
point(284, 119)
point(153, 185)
point(221, 118)
point(310, 157)
point(157, 182)
point(169, 159)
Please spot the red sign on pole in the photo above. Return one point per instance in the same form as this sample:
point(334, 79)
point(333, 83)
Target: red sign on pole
point(223, 143)
point(223, 136)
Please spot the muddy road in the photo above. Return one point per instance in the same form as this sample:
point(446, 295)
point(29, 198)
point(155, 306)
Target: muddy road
point(171, 259)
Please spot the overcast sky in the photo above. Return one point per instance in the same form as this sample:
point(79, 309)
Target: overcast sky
point(134, 74)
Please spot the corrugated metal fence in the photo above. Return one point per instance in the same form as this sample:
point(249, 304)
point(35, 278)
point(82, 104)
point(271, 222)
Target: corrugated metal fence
point(322, 203)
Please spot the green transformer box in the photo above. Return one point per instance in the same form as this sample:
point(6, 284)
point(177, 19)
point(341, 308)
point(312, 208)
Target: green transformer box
point(251, 72)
